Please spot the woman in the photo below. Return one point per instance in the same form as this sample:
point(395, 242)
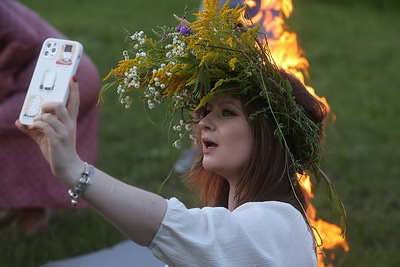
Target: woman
point(258, 127)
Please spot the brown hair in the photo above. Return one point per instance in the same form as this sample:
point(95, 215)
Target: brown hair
point(268, 173)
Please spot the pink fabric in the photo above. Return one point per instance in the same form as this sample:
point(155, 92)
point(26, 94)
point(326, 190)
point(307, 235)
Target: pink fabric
point(25, 177)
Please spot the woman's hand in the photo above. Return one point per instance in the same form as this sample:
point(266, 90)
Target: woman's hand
point(55, 130)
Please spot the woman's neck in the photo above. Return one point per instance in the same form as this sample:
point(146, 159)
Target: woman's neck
point(232, 199)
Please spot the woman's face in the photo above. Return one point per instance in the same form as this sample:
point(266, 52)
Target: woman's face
point(226, 138)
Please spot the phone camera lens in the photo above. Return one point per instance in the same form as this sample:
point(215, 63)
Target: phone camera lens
point(46, 53)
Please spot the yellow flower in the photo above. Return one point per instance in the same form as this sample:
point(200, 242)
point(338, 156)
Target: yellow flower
point(232, 63)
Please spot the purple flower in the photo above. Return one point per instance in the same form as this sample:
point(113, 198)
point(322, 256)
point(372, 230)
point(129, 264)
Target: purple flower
point(184, 30)
point(199, 114)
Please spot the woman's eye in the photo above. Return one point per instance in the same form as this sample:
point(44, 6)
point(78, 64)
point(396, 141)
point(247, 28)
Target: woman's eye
point(226, 112)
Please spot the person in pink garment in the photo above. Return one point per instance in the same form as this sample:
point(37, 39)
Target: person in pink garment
point(27, 186)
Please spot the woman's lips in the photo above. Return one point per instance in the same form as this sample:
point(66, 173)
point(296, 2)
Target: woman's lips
point(208, 145)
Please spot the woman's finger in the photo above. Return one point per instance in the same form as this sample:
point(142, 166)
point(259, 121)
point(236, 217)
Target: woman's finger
point(37, 130)
point(56, 108)
point(53, 122)
point(22, 127)
point(73, 101)
point(72, 109)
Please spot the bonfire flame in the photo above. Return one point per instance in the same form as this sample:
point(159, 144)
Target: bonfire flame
point(288, 55)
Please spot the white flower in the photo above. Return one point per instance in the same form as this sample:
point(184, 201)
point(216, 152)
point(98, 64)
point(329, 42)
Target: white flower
point(126, 55)
point(157, 99)
point(177, 144)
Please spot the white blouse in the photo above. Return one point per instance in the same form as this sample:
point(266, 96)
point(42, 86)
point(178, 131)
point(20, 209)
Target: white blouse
point(267, 233)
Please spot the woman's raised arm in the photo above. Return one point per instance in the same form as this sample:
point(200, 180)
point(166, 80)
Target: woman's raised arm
point(135, 212)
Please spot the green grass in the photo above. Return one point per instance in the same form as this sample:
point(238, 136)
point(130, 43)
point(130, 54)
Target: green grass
point(354, 58)
point(353, 54)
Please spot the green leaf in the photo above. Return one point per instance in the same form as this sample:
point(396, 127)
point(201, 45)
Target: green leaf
point(335, 201)
point(188, 60)
point(104, 89)
point(198, 83)
point(206, 78)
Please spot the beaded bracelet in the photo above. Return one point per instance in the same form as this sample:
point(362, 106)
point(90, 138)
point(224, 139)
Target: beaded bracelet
point(83, 183)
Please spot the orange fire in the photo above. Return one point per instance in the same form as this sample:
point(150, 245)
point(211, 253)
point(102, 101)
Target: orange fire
point(287, 54)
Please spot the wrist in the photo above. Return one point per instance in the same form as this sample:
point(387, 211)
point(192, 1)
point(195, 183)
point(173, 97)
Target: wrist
point(84, 182)
point(72, 172)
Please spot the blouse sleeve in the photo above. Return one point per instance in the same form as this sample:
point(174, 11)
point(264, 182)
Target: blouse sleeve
point(255, 234)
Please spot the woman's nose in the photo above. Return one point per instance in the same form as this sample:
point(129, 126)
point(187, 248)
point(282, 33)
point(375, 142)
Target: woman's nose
point(207, 123)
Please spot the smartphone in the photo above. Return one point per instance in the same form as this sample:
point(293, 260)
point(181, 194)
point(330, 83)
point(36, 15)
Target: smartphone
point(57, 63)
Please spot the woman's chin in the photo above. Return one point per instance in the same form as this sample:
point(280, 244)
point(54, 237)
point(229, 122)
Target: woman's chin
point(212, 167)
point(209, 166)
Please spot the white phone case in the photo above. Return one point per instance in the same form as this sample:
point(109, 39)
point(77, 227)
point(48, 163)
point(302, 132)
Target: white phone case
point(57, 63)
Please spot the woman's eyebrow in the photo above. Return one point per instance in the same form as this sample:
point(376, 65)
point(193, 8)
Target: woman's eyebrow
point(230, 102)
